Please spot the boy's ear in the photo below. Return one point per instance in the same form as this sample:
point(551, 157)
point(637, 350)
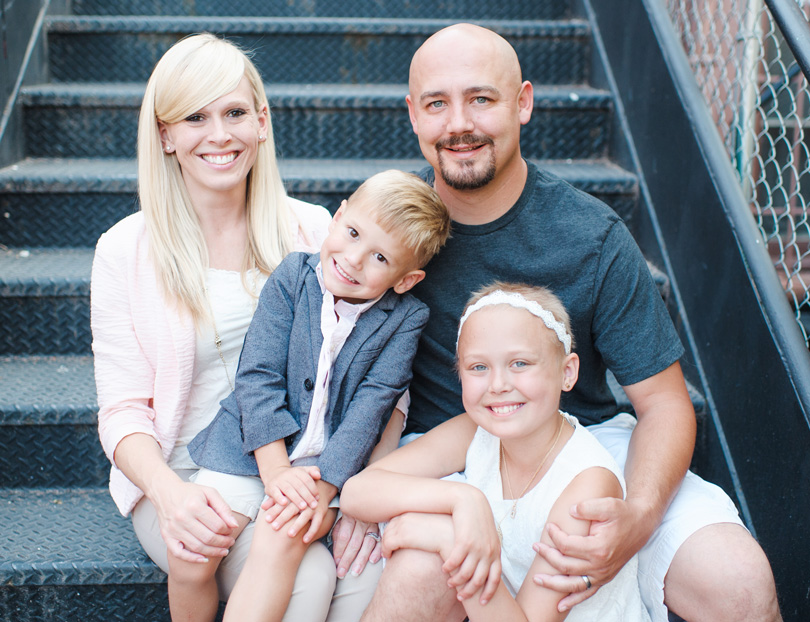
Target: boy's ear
point(408, 281)
point(338, 214)
point(340, 210)
point(570, 371)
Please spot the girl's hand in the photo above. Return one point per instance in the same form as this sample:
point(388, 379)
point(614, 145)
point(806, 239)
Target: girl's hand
point(352, 548)
point(195, 522)
point(432, 533)
point(296, 485)
point(475, 560)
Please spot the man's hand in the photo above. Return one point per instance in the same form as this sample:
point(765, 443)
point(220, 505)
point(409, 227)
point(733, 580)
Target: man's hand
point(618, 530)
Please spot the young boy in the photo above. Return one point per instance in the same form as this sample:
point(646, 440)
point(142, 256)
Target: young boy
point(325, 359)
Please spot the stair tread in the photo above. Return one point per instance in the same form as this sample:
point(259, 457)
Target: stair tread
point(69, 537)
point(120, 174)
point(44, 271)
point(47, 390)
point(269, 25)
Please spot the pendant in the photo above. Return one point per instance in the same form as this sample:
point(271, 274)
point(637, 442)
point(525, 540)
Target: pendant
point(513, 511)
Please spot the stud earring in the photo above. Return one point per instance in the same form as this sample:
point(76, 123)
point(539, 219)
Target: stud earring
point(262, 138)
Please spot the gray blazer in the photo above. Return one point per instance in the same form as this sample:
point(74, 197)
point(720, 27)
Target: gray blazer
point(277, 371)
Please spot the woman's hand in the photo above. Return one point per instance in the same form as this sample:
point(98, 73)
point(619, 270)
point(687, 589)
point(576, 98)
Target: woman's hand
point(352, 547)
point(195, 522)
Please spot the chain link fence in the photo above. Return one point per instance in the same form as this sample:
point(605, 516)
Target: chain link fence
point(758, 98)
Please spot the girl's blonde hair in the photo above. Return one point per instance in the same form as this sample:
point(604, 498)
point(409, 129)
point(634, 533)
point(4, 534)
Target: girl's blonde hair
point(191, 74)
point(541, 295)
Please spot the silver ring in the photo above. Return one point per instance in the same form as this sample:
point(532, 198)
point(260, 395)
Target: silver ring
point(373, 535)
point(587, 581)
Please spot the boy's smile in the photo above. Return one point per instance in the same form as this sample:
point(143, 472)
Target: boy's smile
point(360, 260)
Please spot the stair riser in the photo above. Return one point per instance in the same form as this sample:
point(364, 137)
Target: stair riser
point(76, 220)
point(45, 324)
point(88, 603)
point(308, 131)
point(285, 57)
point(51, 456)
point(418, 9)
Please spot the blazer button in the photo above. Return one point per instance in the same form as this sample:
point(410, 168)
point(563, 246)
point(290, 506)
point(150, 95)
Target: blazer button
point(308, 384)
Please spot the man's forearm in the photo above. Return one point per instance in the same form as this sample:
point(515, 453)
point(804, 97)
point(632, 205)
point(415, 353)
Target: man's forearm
point(661, 445)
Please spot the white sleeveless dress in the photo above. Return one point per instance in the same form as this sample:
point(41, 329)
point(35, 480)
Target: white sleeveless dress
point(619, 600)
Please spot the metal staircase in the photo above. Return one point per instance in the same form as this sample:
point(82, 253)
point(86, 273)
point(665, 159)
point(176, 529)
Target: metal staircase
point(336, 76)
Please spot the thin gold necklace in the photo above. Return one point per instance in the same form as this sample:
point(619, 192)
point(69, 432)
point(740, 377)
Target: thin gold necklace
point(217, 338)
point(513, 511)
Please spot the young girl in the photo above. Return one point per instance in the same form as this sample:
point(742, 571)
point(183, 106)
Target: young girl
point(526, 463)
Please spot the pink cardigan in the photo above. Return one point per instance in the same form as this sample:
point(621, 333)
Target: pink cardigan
point(143, 347)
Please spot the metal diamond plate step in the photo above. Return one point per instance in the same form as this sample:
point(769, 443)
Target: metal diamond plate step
point(48, 424)
point(468, 9)
point(82, 198)
point(69, 555)
point(313, 50)
point(309, 121)
point(44, 301)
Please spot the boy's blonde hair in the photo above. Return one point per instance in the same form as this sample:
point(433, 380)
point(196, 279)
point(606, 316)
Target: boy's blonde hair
point(406, 206)
point(193, 73)
point(541, 295)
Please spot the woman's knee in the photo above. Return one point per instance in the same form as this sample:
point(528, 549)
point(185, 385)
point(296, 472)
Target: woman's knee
point(192, 573)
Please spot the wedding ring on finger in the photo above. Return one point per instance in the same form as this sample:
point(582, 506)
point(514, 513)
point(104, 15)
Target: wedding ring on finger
point(373, 535)
point(587, 581)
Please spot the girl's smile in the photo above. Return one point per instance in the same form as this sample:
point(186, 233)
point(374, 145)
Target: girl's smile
point(512, 370)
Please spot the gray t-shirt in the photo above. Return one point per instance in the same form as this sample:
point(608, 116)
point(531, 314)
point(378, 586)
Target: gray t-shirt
point(561, 238)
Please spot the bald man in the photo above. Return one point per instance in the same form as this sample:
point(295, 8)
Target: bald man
point(511, 221)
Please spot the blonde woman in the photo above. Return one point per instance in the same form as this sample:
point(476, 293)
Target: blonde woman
point(174, 288)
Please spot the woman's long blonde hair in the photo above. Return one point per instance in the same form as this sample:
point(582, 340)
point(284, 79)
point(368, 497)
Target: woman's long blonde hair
point(191, 74)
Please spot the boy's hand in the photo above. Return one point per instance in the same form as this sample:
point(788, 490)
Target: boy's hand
point(296, 485)
point(294, 520)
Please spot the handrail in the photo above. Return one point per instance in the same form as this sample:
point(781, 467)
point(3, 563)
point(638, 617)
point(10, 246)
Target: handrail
point(795, 28)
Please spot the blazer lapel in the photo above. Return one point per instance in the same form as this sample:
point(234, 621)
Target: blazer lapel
point(314, 304)
point(367, 325)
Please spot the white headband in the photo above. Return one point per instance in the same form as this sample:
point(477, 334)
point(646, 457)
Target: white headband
point(514, 299)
